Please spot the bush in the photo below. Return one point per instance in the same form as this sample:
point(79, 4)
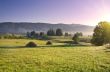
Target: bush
point(49, 43)
point(75, 38)
point(31, 44)
point(45, 37)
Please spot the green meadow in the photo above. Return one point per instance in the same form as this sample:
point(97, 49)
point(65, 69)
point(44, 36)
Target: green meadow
point(15, 57)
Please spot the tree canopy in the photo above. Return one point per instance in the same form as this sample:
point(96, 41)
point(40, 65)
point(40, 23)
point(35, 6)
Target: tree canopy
point(101, 34)
point(59, 32)
point(51, 32)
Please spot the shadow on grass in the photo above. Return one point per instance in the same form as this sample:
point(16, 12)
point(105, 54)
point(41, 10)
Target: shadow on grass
point(67, 42)
point(10, 47)
point(65, 46)
point(107, 50)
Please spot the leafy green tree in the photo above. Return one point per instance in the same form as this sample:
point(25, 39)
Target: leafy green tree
point(76, 38)
point(98, 36)
point(66, 34)
point(51, 32)
point(41, 34)
point(79, 33)
point(59, 32)
point(33, 34)
point(101, 34)
point(28, 34)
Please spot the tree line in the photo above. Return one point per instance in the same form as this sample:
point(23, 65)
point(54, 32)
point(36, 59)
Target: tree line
point(42, 35)
point(101, 35)
point(57, 32)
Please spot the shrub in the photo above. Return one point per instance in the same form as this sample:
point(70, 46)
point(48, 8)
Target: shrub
point(75, 38)
point(31, 44)
point(49, 43)
point(45, 37)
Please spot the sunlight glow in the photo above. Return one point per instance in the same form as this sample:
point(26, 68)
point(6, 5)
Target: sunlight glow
point(106, 17)
point(105, 11)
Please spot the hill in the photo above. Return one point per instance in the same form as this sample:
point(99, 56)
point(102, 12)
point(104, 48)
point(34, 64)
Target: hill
point(23, 27)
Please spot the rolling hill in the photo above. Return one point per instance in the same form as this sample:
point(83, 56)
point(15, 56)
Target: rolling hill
point(23, 27)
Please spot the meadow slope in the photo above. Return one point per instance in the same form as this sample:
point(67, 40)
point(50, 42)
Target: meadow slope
point(52, 58)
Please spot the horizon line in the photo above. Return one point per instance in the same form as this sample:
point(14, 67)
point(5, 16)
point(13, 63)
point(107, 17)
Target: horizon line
point(45, 23)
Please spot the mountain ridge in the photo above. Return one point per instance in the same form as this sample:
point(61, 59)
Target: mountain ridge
point(23, 27)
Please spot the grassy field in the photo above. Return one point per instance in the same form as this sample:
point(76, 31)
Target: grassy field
point(16, 58)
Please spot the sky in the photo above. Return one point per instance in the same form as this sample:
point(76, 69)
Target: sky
point(87, 12)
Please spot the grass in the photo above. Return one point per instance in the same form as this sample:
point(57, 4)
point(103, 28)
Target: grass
point(52, 58)
point(19, 42)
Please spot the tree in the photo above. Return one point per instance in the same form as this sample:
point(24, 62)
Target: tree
point(98, 36)
point(36, 35)
point(51, 32)
point(101, 34)
point(79, 33)
point(28, 34)
point(76, 38)
point(59, 32)
point(33, 34)
point(41, 34)
point(66, 34)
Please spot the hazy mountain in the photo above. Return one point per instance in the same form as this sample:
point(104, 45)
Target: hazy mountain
point(23, 27)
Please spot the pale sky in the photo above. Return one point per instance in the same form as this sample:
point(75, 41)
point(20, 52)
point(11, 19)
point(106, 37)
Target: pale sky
point(87, 12)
